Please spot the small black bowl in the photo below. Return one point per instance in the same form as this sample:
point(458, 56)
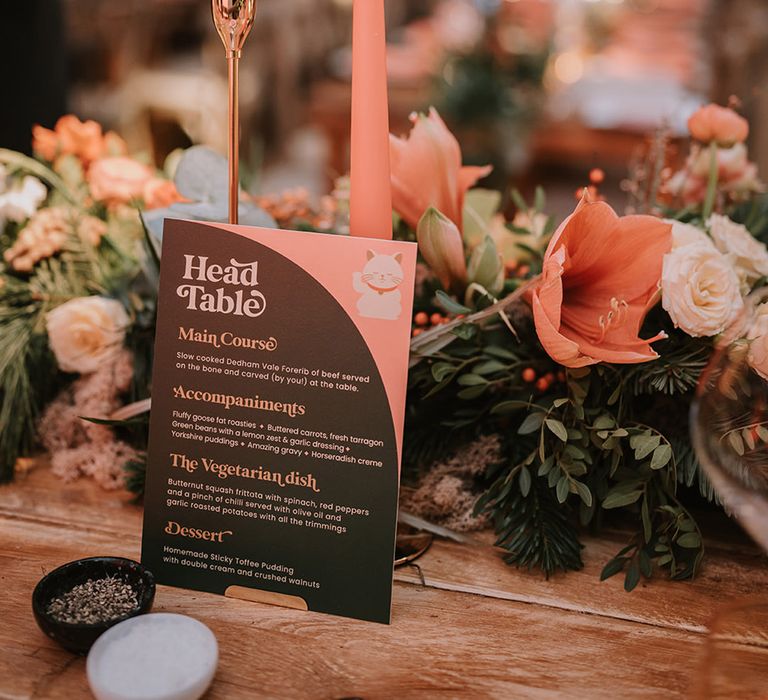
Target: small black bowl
point(79, 638)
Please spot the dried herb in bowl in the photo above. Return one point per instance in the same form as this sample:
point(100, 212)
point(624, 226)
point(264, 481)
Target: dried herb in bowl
point(94, 602)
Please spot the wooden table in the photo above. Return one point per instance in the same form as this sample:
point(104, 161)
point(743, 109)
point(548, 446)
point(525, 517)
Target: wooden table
point(474, 628)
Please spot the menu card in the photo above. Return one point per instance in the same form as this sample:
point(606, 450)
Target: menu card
point(277, 416)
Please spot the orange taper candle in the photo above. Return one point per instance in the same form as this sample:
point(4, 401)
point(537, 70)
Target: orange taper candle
point(370, 189)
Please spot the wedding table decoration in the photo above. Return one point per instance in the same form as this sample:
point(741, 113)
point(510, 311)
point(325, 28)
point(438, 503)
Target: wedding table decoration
point(553, 364)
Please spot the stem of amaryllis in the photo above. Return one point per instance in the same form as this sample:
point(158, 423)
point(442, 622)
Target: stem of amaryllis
point(709, 200)
point(435, 339)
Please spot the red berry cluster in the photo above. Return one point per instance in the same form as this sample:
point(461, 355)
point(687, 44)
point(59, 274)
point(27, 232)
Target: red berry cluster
point(514, 269)
point(596, 178)
point(423, 321)
point(542, 382)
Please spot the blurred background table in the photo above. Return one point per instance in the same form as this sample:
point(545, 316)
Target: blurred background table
point(543, 89)
point(470, 628)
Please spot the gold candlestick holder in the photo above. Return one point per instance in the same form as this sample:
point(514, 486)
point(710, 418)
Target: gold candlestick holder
point(234, 20)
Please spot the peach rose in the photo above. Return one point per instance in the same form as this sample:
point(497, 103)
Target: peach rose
point(749, 254)
point(45, 143)
point(71, 136)
point(737, 176)
point(118, 180)
point(159, 193)
point(700, 290)
point(83, 139)
point(86, 332)
point(720, 124)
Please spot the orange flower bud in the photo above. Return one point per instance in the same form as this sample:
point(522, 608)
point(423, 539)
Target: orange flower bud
point(443, 248)
point(720, 124)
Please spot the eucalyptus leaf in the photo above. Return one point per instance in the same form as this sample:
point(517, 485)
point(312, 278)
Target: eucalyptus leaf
point(502, 353)
point(509, 407)
point(604, 422)
point(470, 379)
point(584, 493)
point(489, 367)
point(646, 567)
point(646, 518)
point(518, 200)
point(613, 567)
point(546, 466)
point(465, 331)
point(633, 577)
point(531, 424)
point(449, 304)
point(690, 540)
point(202, 175)
point(471, 392)
point(525, 481)
point(617, 499)
point(440, 370)
point(661, 456)
point(736, 442)
point(644, 445)
point(557, 428)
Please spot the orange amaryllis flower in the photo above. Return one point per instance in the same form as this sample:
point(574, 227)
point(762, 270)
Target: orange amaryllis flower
point(720, 124)
point(601, 275)
point(427, 171)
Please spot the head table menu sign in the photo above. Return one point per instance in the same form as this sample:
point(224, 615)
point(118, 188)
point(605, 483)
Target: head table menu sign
point(277, 415)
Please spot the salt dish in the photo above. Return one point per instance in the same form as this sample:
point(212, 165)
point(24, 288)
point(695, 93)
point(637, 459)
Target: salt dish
point(161, 656)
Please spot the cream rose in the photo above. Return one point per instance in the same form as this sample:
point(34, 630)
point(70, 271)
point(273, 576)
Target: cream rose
point(118, 180)
point(685, 234)
point(700, 290)
point(750, 255)
point(85, 333)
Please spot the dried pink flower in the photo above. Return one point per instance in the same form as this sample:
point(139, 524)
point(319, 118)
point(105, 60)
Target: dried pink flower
point(78, 447)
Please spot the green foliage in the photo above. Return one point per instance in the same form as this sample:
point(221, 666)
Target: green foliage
point(530, 524)
point(29, 376)
point(136, 475)
point(598, 441)
point(754, 215)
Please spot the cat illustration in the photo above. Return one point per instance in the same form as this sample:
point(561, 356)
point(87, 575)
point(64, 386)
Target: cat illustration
point(379, 284)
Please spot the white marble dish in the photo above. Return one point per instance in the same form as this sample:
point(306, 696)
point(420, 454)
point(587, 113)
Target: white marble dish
point(161, 656)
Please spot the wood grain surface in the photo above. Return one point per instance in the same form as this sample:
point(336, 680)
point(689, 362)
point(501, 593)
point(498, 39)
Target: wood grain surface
point(474, 628)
